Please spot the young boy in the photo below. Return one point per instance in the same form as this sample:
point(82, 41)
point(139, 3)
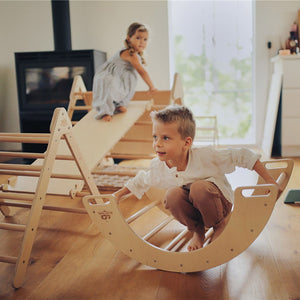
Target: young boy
point(198, 193)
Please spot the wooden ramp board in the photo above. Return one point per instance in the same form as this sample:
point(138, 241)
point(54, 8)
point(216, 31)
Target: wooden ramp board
point(95, 138)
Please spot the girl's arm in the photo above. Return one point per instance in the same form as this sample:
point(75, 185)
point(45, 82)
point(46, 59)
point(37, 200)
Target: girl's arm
point(134, 60)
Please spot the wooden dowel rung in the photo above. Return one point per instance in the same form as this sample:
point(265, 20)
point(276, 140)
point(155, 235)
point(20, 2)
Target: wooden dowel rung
point(281, 178)
point(180, 244)
point(10, 226)
point(19, 167)
point(32, 155)
point(208, 236)
point(46, 207)
point(37, 174)
point(21, 139)
point(16, 196)
point(21, 154)
point(16, 134)
point(158, 228)
point(176, 239)
point(112, 173)
point(19, 173)
point(83, 93)
point(66, 176)
point(130, 156)
point(136, 140)
point(8, 259)
point(142, 211)
point(82, 107)
point(82, 194)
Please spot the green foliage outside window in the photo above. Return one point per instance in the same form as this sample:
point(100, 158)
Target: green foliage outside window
point(209, 90)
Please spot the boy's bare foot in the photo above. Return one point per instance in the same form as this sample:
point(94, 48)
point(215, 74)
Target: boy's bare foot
point(107, 118)
point(121, 109)
point(196, 242)
point(219, 228)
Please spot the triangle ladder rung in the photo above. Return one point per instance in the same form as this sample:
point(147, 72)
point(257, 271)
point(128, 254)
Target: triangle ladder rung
point(8, 259)
point(10, 226)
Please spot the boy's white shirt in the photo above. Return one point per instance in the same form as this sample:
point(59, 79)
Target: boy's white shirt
point(206, 163)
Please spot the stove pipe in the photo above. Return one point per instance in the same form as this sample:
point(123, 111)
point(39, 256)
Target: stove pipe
point(61, 25)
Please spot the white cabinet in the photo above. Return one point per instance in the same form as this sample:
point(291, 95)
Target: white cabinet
point(290, 115)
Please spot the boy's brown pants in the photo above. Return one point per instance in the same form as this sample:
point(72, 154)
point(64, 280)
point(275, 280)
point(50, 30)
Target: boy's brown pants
point(198, 205)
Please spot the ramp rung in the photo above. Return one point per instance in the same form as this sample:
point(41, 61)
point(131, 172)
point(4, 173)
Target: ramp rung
point(142, 211)
point(8, 259)
point(10, 226)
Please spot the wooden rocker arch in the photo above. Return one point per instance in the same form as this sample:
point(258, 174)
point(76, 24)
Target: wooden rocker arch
point(249, 217)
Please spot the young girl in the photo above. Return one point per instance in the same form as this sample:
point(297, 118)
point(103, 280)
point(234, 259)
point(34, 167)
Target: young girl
point(198, 193)
point(114, 84)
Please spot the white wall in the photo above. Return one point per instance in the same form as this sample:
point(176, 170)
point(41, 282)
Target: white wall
point(273, 23)
point(27, 26)
point(24, 26)
point(102, 25)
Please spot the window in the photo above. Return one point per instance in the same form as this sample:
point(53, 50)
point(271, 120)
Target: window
point(213, 53)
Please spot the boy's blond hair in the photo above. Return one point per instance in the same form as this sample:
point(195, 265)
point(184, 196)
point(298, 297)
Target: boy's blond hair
point(180, 114)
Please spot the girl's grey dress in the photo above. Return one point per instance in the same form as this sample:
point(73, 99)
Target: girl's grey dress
point(114, 85)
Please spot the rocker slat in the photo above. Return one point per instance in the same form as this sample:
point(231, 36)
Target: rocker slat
point(208, 236)
point(158, 228)
point(142, 211)
point(176, 239)
point(281, 178)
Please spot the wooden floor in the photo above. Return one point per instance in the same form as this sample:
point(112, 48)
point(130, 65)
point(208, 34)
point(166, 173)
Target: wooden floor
point(71, 260)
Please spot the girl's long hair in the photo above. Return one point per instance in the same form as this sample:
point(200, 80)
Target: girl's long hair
point(132, 29)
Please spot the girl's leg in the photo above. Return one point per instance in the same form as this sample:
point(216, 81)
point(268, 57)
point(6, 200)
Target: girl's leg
point(107, 118)
point(121, 109)
point(177, 201)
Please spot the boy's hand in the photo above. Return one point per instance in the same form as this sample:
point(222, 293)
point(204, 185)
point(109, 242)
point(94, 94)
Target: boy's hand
point(120, 194)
